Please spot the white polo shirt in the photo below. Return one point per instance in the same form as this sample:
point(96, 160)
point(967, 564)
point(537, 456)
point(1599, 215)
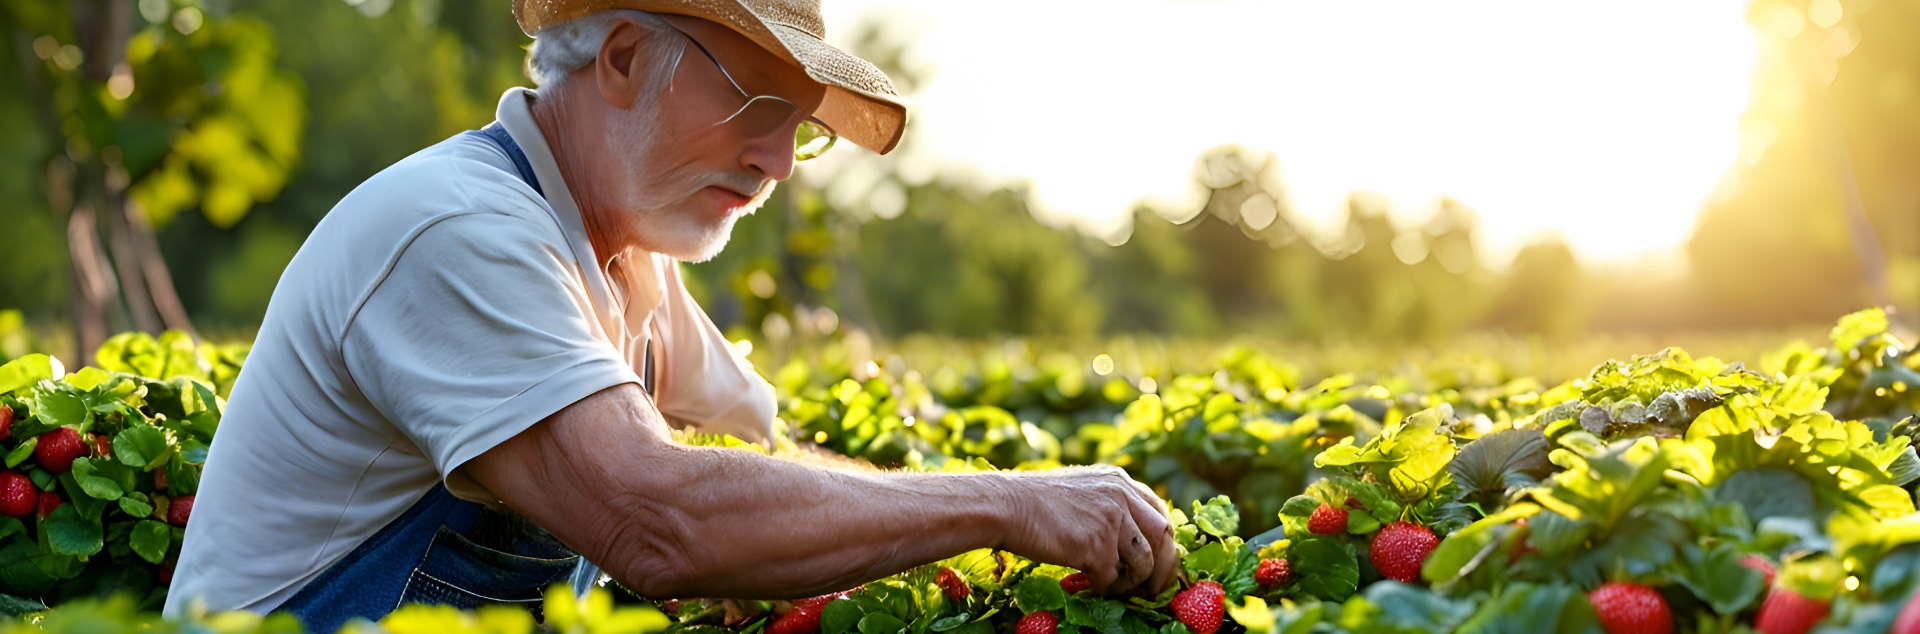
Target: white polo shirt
point(440, 308)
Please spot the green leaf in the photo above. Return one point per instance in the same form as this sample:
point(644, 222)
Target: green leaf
point(88, 378)
point(1326, 569)
point(1462, 548)
point(939, 625)
point(96, 486)
point(140, 445)
point(70, 534)
point(1036, 594)
point(28, 370)
point(1211, 560)
point(62, 408)
point(1416, 609)
point(1524, 607)
point(1362, 523)
point(150, 540)
point(1300, 506)
point(1217, 517)
point(1857, 327)
point(22, 452)
point(881, 623)
point(1717, 578)
point(1768, 493)
point(136, 506)
point(838, 617)
point(1491, 464)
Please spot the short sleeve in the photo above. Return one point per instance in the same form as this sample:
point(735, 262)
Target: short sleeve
point(481, 329)
point(704, 384)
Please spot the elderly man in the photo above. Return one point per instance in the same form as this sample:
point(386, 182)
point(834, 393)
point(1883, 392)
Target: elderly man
point(491, 338)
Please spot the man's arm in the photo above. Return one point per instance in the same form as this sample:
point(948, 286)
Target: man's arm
point(669, 520)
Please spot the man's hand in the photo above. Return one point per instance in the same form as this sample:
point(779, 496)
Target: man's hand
point(1098, 520)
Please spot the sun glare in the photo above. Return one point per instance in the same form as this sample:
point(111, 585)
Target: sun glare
point(1609, 124)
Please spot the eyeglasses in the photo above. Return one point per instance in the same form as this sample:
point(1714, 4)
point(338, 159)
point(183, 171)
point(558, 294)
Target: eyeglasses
point(763, 114)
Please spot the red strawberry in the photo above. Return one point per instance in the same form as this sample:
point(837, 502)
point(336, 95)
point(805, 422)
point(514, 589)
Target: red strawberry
point(1759, 564)
point(58, 448)
point(1908, 622)
point(1075, 582)
point(1400, 548)
point(166, 575)
point(18, 496)
point(101, 446)
point(819, 602)
point(1328, 520)
point(1273, 573)
point(6, 421)
point(1200, 607)
point(1042, 622)
point(179, 510)
point(49, 501)
point(1354, 503)
point(160, 479)
point(1788, 612)
point(1631, 608)
point(799, 620)
point(952, 585)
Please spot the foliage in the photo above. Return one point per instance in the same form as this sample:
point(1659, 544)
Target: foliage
point(146, 435)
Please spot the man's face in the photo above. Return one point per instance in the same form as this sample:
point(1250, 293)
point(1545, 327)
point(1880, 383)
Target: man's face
point(683, 173)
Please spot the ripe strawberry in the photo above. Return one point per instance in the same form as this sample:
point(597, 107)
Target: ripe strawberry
point(101, 446)
point(1400, 548)
point(166, 575)
point(952, 585)
point(49, 501)
point(159, 479)
point(819, 602)
point(1328, 520)
point(17, 494)
point(1759, 564)
point(1631, 608)
point(179, 510)
point(6, 421)
point(1788, 612)
point(799, 620)
point(1354, 503)
point(1200, 607)
point(1042, 622)
point(1273, 573)
point(58, 448)
point(1908, 622)
point(1075, 582)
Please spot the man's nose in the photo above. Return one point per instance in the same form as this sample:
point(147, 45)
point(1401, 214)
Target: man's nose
point(770, 156)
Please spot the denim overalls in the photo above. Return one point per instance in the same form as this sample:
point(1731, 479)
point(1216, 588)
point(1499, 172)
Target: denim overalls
point(444, 550)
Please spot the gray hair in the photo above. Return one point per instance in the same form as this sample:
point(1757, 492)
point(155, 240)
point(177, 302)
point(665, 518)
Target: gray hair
point(563, 48)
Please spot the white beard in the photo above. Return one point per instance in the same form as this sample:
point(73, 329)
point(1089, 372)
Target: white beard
point(662, 221)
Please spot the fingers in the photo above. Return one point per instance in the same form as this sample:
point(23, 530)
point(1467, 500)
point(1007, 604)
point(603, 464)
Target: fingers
point(1150, 515)
point(1136, 555)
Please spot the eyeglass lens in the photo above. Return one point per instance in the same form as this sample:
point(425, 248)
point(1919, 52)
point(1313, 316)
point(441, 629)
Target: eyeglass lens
point(764, 114)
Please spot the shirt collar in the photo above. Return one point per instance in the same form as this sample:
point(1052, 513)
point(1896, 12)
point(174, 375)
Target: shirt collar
point(644, 285)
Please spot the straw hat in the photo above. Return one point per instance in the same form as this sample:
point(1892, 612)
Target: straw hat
point(861, 104)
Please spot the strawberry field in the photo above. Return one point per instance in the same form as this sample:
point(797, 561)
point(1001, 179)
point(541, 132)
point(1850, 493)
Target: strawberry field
point(1661, 493)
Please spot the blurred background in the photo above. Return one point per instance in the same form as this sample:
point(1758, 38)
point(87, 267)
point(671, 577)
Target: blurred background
point(1552, 182)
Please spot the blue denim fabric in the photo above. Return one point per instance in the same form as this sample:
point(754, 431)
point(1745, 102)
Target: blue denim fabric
point(443, 551)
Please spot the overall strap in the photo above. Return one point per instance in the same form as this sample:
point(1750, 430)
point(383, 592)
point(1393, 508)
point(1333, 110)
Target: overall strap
point(498, 135)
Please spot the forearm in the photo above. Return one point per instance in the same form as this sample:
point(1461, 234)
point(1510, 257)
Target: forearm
point(712, 522)
point(667, 519)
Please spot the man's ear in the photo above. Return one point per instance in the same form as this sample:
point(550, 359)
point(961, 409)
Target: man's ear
point(617, 66)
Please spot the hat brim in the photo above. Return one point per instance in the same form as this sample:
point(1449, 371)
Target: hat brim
point(861, 103)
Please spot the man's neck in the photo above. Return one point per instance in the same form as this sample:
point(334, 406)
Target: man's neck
point(570, 149)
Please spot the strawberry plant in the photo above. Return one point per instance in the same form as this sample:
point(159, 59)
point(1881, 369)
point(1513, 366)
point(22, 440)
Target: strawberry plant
point(101, 468)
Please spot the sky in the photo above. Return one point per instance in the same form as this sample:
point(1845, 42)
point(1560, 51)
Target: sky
point(1607, 122)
